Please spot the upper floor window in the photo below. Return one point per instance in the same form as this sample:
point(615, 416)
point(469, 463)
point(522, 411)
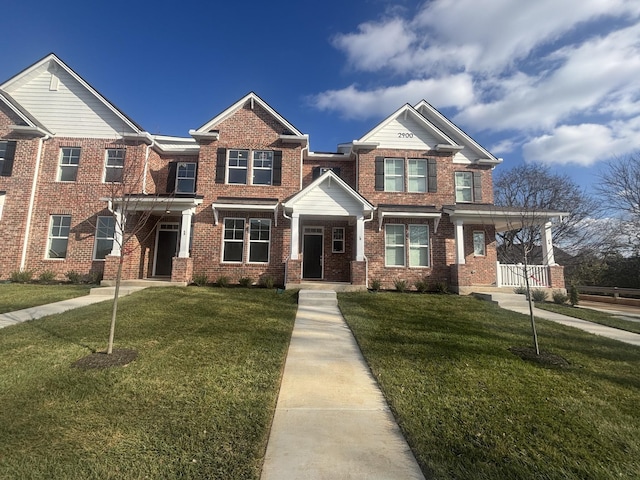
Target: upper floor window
point(468, 186)
point(114, 165)
point(105, 234)
point(249, 167)
point(7, 152)
point(419, 176)
point(186, 177)
point(58, 236)
point(69, 161)
point(262, 166)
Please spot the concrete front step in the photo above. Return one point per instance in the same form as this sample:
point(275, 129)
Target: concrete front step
point(335, 286)
point(317, 298)
point(110, 291)
point(505, 300)
point(143, 283)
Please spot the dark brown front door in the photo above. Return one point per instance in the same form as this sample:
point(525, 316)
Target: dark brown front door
point(312, 256)
point(167, 249)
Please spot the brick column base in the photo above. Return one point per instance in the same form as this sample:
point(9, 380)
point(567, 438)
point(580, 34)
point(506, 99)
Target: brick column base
point(358, 273)
point(182, 270)
point(294, 273)
point(111, 267)
point(556, 277)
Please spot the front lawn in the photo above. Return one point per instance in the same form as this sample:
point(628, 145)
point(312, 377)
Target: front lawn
point(16, 296)
point(594, 316)
point(196, 403)
point(471, 409)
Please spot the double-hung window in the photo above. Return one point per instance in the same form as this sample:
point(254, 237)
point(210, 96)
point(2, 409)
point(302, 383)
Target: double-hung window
point(417, 175)
point(69, 161)
point(114, 165)
point(479, 244)
point(259, 236)
point(186, 177)
point(105, 232)
point(233, 240)
point(394, 255)
point(418, 246)
point(394, 174)
point(262, 167)
point(337, 240)
point(468, 186)
point(238, 161)
point(59, 227)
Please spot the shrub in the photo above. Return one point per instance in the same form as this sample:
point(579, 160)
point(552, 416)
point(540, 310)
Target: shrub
point(401, 285)
point(573, 295)
point(376, 284)
point(223, 281)
point(74, 277)
point(521, 290)
point(200, 279)
point(267, 281)
point(245, 282)
point(538, 295)
point(23, 276)
point(94, 278)
point(422, 285)
point(559, 297)
point(440, 287)
point(47, 276)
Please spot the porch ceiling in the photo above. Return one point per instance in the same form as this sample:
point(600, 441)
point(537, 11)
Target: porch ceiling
point(502, 218)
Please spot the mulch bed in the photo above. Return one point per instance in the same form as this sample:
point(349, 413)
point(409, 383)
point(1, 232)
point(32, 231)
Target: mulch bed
point(117, 358)
point(545, 358)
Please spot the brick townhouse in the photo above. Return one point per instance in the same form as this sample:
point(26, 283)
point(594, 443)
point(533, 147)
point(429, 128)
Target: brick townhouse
point(243, 195)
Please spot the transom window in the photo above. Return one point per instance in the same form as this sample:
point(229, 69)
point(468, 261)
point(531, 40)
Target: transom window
point(393, 174)
point(337, 240)
point(417, 173)
point(105, 232)
point(238, 161)
point(186, 177)
point(58, 236)
point(233, 240)
point(464, 187)
point(394, 253)
point(262, 167)
point(114, 165)
point(418, 246)
point(259, 236)
point(69, 161)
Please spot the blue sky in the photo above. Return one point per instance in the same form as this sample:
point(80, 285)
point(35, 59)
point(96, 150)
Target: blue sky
point(551, 81)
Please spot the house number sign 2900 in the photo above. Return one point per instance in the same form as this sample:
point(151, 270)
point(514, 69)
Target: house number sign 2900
point(405, 135)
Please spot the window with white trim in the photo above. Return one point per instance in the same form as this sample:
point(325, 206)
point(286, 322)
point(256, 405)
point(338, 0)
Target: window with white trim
point(337, 240)
point(114, 165)
point(237, 166)
point(262, 167)
point(7, 154)
point(2, 197)
point(417, 175)
point(479, 249)
point(464, 187)
point(233, 240)
point(105, 234)
point(186, 177)
point(418, 246)
point(259, 239)
point(394, 253)
point(69, 161)
point(59, 226)
point(393, 174)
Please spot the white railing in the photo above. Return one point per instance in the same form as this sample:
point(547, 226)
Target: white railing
point(513, 275)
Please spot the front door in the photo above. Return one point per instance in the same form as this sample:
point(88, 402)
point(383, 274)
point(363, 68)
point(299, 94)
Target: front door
point(312, 253)
point(166, 249)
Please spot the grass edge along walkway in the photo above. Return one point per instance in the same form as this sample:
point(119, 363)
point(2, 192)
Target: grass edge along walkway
point(470, 409)
point(196, 403)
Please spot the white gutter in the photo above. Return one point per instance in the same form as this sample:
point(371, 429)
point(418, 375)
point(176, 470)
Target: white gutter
point(32, 199)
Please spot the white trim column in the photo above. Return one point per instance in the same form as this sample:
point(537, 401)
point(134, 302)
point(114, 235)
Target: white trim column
point(295, 236)
point(459, 236)
point(547, 245)
point(360, 238)
point(117, 233)
point(185, 232)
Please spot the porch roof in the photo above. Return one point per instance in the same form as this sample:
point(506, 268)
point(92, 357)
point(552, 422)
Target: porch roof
point(155, 203)
point(503, 218)
point(245, 204)
point(409, 211)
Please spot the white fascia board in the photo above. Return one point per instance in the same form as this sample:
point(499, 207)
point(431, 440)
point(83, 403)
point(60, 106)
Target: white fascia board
point(443, 147)
point(29, 130)
point(301, 139)
point(154, 203)
point(409, 214)
point(252, 207)
point(142, 136)
point(16, 111)
point(199, 136)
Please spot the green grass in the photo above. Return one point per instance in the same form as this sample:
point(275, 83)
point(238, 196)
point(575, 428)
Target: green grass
point(16, 296)
point(594, 316)
point(470, 409)
point(196, 403)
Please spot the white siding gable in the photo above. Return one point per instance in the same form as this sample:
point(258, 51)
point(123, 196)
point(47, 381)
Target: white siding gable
point(329, 199)
point(405, 133)
point(65, 106)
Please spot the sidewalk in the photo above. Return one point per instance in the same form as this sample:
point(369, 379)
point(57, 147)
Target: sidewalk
point(517, 303)
point(331, 420)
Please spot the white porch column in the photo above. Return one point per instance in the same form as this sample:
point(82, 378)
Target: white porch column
point(185, 232)
point(547, 245)
point(117, 234)
point(360, 238)
point(295, 236)
point(459, 236)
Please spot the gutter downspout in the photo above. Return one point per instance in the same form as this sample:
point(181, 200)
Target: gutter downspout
point(366, 260)
point(286, 263)
point(146, 167)
point(302, 162)
point(32, 199)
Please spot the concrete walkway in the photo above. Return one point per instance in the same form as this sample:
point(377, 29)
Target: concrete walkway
point(518, 303)
point(331, 420)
